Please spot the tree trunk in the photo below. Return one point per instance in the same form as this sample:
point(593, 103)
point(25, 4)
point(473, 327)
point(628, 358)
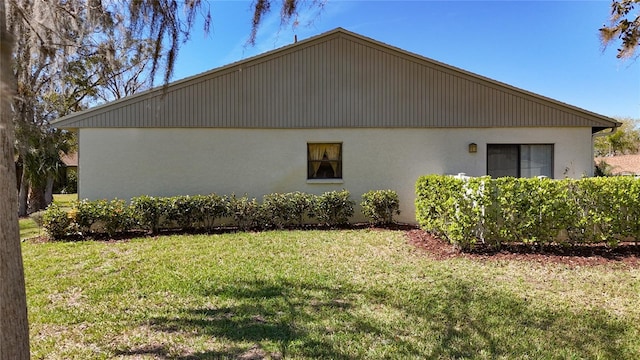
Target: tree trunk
point(14, 329)
point(48, 192)
point(23, 195)
point(37, 200)
point(19, 173)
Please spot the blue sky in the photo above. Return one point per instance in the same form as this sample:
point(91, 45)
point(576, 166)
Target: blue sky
point(548, 47)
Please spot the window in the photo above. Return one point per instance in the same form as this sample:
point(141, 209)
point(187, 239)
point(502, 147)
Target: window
point(324, 161)
point(520, 160)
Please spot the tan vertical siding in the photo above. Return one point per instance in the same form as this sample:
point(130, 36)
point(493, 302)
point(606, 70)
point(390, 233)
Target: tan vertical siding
point(336, 81)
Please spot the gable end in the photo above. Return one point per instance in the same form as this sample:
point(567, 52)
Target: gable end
point(336, 80)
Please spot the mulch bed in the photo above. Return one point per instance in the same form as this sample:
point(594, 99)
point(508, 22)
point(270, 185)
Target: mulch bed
point(584, 255)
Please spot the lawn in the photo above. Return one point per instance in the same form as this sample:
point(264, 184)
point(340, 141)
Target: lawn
point(346, 294)
point(65, 200)
point(28, 227)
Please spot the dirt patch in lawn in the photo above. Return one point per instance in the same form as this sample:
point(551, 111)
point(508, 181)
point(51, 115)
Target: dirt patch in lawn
point(584, 255)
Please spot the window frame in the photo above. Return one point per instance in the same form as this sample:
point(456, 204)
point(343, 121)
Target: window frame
point(338, 175)
point(519, 156)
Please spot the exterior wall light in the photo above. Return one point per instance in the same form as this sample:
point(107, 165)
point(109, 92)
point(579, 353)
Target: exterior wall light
point(473, 148)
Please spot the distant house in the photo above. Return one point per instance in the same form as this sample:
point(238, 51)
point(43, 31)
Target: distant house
point(68, 173)
point(338, 110)
point(622, 164)
point(70, 161)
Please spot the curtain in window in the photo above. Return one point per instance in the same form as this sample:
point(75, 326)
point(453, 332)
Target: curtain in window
point(316, 153)
point(333, 154)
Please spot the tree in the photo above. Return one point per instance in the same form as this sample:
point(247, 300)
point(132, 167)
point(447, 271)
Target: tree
point(96, 57)
point(625, 140)
point(43, 58)
point(128, 73)
point(14, 329)
point(158, 20)
point(624, 25)
point(44, 164)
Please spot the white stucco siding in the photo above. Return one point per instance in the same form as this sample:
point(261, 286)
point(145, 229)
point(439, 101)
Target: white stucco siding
point(126, 162)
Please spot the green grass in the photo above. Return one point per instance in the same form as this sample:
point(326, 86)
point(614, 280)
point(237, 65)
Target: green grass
point(65, 200)
point(29, 229)
point(318, 294)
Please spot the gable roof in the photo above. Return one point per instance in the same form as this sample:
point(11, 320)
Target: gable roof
point(334, 80)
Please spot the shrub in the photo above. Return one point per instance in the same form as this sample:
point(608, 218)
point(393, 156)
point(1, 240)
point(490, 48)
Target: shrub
point(84, 215)
point(147, 211)
point(334, 208)
point(247, 213)
point(114, 216)
point(435, 197)
point(37, 218)
point(534, 211)
point(278, 210)
point(528, 210)
point(191, 212)
point(205, 209)
point(177, 211)
point(286, 210)
point(380, 205)
point(302, 206)
point(466, 219)
point(71, 183)
point(101, 216)
point(201, 211)
point(56, 222)
point(609, 208)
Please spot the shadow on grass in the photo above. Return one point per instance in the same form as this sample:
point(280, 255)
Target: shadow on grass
point(466, 321)
point(448, 318)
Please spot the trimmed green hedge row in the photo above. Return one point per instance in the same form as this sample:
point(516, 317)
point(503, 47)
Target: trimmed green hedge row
point(536, 211)
point(205, 212)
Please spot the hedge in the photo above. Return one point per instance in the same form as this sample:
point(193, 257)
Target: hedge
point(101, 216)
point(535, 211)
point(202, 212)
point(380, 206)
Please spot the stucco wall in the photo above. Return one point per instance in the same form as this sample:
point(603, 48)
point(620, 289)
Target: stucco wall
point(123, 163)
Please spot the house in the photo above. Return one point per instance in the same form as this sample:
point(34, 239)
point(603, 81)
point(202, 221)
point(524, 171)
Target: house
point(335, 111)
point(67, 175)
point(70, 161)
point(622, 164)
